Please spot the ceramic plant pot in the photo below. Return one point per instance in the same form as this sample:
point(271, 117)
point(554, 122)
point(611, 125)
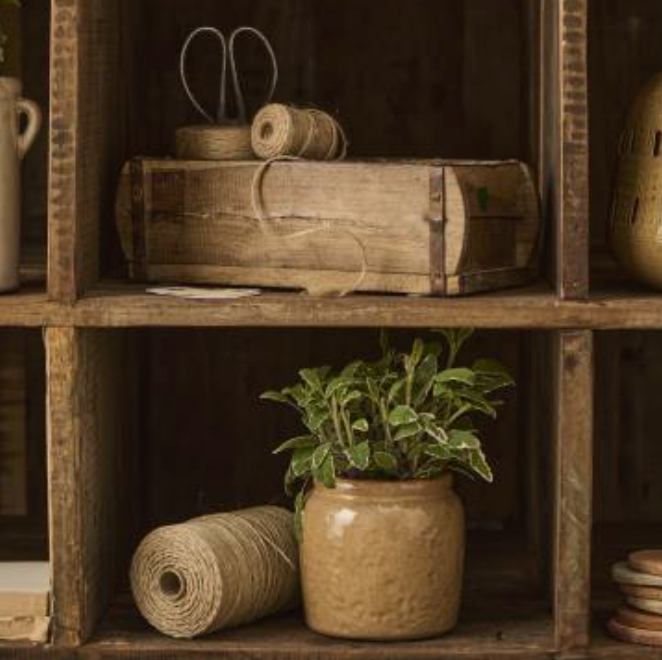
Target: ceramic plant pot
point(383, 560)
point(14, 144)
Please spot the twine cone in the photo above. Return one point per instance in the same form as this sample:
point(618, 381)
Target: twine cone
point(217, 572)
point(280, 130)
point(214, 143)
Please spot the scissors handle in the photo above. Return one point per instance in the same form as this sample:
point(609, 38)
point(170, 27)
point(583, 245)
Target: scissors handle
point(228, 52)
point(222, 102)
point(241, 103)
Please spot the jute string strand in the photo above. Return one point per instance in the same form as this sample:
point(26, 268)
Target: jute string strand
point(281, 130)
point(217, 571)
point(222, 138)
point(267, 224)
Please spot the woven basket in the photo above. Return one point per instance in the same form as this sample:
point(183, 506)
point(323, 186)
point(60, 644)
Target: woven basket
point(636, 211)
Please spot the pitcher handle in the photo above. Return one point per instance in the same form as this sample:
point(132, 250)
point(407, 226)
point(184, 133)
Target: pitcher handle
point(31, 110)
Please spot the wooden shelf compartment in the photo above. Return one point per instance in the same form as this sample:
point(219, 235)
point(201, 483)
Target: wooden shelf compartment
point(496, 628)
point(157, 414)
point(624, 53)
point(23, 524)
point(627, 462)
point(116, 94)
point(24, 539)
point(26, 57)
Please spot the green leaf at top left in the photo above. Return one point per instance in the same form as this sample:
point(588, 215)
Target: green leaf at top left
point(278, 397)
point(296, 443)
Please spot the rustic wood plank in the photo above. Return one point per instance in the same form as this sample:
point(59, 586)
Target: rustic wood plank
point(86, 420)
point(85, 121)
point(573, 466)
point(29, 308)
point(528, 308)
point(485, 631)
point(565, 142)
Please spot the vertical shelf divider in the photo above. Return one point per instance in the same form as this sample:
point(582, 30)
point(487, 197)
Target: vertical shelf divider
point(573, 478)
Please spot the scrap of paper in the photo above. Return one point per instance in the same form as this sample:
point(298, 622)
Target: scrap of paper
point(201, 293)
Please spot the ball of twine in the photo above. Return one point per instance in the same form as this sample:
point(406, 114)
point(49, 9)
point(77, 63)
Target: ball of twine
point(217, 571)
point(214, 143)
point(280, 130)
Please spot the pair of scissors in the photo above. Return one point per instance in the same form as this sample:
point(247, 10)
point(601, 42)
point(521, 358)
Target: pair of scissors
point(229, 60)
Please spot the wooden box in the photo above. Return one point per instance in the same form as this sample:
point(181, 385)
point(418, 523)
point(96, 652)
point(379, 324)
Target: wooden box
point(425, 227)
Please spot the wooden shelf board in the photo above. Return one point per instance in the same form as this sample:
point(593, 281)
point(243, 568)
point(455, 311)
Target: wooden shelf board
point(30, 307)
point(121, 305)
point(605, 647)
point(502, 631)
point(127, 306)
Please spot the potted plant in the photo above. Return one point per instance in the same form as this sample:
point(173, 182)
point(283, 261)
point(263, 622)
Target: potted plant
point(14, 144)
point(381, 529)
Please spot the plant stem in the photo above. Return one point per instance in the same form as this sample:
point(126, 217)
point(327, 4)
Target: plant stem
point(336, 421)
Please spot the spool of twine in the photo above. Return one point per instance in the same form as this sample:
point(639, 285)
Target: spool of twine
point(281, 130)
point(217, 571)
point(213, 142)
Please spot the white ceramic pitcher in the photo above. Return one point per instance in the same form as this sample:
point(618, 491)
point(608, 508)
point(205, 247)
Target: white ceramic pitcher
point(14, 144)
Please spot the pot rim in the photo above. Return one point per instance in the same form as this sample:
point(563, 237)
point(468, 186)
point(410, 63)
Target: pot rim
point(385, 488)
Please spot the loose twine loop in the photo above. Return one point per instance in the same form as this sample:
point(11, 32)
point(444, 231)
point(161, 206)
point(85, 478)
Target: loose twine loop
point(266, 223)
point(217, 571)
point(285, 133)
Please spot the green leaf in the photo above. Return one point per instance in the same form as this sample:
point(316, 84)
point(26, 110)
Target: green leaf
point(290, 480)
point(320, 454)
point(313, 377)
point(407, 431)
point(436, 433)
point(402, 415)
point(417, 352)
point(326, 473)
point(424, 378)
point(299, 504)
point(459, 439)
point(299, 394)
point(359, 456)
point(439, 452)
point(301, 461)
point(373, 389)
point(386, 462)
point(459, 375)
point(361, 425)
point(460, 412)
point(349, 372)
point(301, 442)
point(480, 466)
point(396, 389)
point(478, 402)
point(316, 418)
point(338, 385)
point(354, 395)
point(277, 397)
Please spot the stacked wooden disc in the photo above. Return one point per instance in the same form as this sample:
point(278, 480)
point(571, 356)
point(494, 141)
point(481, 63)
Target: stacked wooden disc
point(639, 619)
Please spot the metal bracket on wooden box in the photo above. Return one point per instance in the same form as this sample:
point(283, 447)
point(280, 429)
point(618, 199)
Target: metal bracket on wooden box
point(438, 279)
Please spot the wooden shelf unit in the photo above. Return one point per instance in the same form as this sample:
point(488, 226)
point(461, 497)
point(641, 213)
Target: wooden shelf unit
point(109, 100)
